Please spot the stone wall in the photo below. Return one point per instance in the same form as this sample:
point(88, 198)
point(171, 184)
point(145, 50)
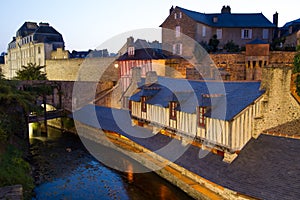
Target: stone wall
point(83, 69)
point(279, 106)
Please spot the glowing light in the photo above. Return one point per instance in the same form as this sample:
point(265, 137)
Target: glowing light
point(130, 173)
point(30, 130)
point(116, 65)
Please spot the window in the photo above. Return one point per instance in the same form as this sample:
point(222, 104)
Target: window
point(219, 33)
point(201, 117)
point(203, 31)
point(143, 104)
point(39, 50)
point(265, 34)
point(178, 15)
point(177, 48)
point(131, 51)
point(290, 29)
point(246, 33)
point(173, 106)
point(177, 31)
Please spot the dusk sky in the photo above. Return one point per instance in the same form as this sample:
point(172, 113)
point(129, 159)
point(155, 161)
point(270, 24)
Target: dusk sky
point(87, 24)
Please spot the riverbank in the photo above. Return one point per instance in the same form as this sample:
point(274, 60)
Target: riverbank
point(68, 171)
point(15, 174)
point(191, 183)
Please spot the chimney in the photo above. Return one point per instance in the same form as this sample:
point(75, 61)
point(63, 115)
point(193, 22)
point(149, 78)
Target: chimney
point(136, 74)
point(151, 77)
point(226, 9)
point(275, 19)
point(171, 10)
point(130, 46)
point(43, 24)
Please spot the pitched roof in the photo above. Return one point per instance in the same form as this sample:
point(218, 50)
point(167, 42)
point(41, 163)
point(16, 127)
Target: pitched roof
point(230, 20)
point(285, 30)
point(226, 99)
point(144, 54)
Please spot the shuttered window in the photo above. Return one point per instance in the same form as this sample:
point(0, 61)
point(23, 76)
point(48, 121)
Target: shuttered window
point(173, 106)
point(143, 104)
point(201, 117)
point(246, 33)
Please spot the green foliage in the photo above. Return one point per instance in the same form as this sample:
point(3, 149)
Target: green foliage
point(68, 123)
point(14, 170)
point(204, 45)
point(10, 96)
point(297, 70)
point(230, 46)
point(277, 43)
point(31, 72)
point(214, 42)
point(297, 63)
point(297, 81)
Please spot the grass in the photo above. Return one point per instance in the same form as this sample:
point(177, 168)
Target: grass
point(15, 170)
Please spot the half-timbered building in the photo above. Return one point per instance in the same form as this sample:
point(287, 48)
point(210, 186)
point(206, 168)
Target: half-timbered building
point(218, 114)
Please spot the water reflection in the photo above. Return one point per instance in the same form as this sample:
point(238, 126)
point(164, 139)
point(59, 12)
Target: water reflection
point(75, 174)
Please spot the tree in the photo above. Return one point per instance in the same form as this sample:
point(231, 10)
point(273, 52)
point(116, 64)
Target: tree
point(230, 46)
point(31, 72)
point(297, 70)
point(15, 105)
point(214, 42)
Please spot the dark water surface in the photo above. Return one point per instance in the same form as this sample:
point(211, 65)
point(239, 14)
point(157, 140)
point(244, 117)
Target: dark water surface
point(65, 170)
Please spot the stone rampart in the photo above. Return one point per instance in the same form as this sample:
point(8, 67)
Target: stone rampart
point(279, 106)
point(83, 69)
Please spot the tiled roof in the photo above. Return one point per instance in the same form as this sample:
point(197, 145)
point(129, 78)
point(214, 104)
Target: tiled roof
point(226, 99)
point(230, 20)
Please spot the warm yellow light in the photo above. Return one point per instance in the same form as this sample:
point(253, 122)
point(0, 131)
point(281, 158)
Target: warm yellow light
point(116, 65)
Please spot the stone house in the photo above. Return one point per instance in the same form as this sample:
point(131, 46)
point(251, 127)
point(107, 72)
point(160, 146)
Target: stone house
point(227, 26)
point(291, 34)
point(33, 43)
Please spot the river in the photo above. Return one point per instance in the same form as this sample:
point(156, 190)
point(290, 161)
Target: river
point(65, 170)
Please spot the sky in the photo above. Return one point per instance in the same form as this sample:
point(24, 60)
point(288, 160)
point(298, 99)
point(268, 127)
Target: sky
point(90, 23)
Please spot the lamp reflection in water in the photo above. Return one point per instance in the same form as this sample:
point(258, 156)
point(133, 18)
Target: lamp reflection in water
point(130, 173)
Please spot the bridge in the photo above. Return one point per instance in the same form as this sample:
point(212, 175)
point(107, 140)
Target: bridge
point(49, 115)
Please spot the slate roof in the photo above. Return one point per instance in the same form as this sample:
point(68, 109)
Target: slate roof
point(226, 99)
point(145, 51)
point(144, 54)
point(43, 33)
point(2, 60)
point(230, 20)
point(284, 31)
point(266, 168)
point(257, 41)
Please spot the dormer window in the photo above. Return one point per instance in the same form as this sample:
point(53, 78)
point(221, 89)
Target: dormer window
point(290, 29)
point(130, 51)
point(215, 19)
point(172, 107)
